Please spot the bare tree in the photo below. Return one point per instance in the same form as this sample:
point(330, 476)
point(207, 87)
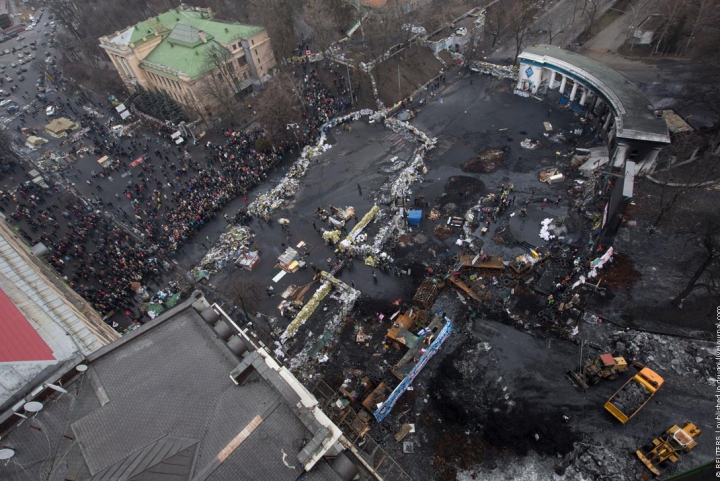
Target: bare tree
point(706, 273)
point(496, 24)
point(704, 13)
point(553, 30)
point(278, 105)
point(590, 10)
point(277, 17)
point(695, 167)
point(521, 17)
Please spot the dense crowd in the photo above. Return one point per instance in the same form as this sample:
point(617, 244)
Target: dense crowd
point(172, 196)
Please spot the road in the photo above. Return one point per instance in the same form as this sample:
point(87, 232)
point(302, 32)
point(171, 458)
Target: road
point(564, 19)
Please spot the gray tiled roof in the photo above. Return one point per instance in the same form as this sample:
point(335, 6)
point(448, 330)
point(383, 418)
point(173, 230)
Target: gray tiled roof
point(171, 404)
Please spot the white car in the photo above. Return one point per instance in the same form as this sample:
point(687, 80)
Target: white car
point(50, 111)
point(6, 102)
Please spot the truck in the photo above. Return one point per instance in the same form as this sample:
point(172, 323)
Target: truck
point(605, 366)
point(634, 395)
point(669, 446)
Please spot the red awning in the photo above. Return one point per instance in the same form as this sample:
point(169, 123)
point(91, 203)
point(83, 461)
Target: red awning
point(19, 340)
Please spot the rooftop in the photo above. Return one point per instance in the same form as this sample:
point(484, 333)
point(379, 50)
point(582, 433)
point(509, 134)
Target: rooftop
point(637, 117)
point(161, 404)
point(182, 50)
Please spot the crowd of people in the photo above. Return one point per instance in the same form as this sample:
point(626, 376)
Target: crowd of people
point(172, 194)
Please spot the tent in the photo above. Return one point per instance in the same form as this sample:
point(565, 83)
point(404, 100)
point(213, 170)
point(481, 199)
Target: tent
point(34, 142)
point(60, 127)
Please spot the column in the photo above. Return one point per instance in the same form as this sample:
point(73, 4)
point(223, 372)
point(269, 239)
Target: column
point(596, 103)
point(648, 164)
point(619, 155)
point(562, 84)
point(573, 92)
point(552, 79)
point(607, 120)
point(583, 97)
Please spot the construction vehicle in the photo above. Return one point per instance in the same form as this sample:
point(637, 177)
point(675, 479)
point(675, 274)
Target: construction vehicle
point(669, 446)
point(605, 366)
point(634, 394)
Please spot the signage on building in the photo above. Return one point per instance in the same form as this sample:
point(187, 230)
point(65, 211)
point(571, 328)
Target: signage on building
point(529, 71)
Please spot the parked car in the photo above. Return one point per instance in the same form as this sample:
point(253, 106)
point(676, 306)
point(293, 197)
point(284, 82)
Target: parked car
point(5, 103)
point(12, 108)
point(13, 65)
point(50, 111)
point(21, 78)
point(8, 79)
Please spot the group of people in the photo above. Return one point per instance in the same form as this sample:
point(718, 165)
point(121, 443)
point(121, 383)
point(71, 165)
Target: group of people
point(171, 194)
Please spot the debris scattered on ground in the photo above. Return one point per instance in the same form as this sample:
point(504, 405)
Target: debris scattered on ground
point(530, 144)
point(664, 353)
point(231, 245)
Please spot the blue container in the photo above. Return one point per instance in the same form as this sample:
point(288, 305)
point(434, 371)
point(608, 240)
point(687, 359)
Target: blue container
point(414, 217)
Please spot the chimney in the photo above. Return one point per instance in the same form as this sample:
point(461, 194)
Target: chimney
point(202, 36)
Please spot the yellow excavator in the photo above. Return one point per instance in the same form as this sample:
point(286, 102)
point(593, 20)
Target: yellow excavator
point(669, 446)
point(605, 366)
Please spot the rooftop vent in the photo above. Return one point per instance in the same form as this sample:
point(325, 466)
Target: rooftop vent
point(236, 345)
point(222, 330)
point(210, 315)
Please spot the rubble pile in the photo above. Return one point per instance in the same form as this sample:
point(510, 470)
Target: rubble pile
point(596, 462)
point(306, 311)
point(499, 71)
point(631, 397)
point(230, 246)
point(346, 297)
point(663, 353)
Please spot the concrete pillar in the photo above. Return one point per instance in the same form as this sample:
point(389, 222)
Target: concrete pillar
point(648, 164)
point(573, 92)
point(583, 97)
point(563, 82)
point(597, 102)
point(552, 79)
point(619, 155)
point(606, 125)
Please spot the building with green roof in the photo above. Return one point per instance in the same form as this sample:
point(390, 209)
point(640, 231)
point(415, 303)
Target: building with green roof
point(200, 61)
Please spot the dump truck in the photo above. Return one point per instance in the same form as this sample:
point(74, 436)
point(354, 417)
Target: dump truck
point(634, 394)
point(669, 446)
point(605, 366)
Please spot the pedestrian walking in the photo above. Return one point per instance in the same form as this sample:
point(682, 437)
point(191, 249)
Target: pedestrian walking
point(352, 283)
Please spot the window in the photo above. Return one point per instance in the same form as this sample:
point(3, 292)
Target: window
point(235, 47)
point(242, 61)
point(253, 42)
point(256, 52)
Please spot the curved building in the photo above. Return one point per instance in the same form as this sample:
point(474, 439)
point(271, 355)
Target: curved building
point(618, 109)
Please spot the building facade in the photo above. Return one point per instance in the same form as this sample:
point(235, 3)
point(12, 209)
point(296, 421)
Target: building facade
point(198, 60)
point(620, 111)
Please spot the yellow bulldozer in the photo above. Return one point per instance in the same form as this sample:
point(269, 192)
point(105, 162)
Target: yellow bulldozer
point(669, 446)
point(605, 366)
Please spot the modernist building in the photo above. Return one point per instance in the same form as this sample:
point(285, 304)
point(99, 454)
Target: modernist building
point(191, 56)
point(618, 109)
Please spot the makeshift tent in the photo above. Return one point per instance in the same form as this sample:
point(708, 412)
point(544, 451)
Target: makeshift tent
point(60, 127)
point(414, 217)
point(34, 141)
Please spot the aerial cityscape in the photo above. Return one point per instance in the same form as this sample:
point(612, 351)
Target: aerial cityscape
point(359, 240)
